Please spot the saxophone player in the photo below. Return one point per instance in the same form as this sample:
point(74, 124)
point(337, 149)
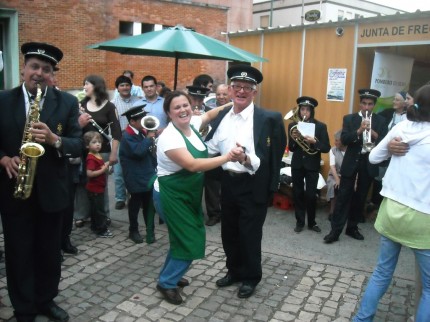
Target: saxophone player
point(306, 163)
point(32, 226)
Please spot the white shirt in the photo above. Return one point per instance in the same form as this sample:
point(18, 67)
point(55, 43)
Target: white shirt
point(171, 139)
point(333, 158)
point(236, 128)
point(27, 99)
point(407, 179)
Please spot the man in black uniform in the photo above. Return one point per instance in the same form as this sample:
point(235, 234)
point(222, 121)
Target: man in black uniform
point(247, 186)
point(359, 132)
point(32, 226)
point(305, 165)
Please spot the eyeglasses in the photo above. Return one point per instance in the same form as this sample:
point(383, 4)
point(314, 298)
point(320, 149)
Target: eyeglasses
point(246, 89)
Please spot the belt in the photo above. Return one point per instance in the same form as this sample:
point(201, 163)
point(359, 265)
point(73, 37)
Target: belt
point(236, 174)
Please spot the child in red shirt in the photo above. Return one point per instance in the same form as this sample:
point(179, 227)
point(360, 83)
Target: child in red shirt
point(96, 173)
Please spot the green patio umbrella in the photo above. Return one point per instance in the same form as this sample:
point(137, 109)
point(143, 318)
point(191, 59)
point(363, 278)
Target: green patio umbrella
point(180, 43)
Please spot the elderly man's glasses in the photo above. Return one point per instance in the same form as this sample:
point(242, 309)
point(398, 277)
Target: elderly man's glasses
point(246, 89)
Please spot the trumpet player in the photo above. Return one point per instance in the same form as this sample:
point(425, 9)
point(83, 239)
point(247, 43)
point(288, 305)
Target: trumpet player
point(32, 227)
point(138, 165)
point(305, 163)
point(360, 132)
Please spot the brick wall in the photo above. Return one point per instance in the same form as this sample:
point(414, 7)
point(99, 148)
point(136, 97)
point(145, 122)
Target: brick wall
point(73, 25)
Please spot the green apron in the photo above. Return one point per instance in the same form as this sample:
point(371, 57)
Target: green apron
point(181, 199)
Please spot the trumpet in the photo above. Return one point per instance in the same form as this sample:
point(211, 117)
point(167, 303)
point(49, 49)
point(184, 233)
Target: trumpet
point(151, 124)
point(293, 115)
point(368, 145)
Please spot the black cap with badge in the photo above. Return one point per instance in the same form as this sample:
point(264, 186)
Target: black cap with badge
point(307, 100)
point(43, 51)
point(198, 91)
point(369, 93)
point(135, 112)
point(245, 73)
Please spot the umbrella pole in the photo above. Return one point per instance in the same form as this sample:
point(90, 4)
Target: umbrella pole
point(176, 74)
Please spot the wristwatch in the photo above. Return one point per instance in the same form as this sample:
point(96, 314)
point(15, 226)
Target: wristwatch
point(58, 143)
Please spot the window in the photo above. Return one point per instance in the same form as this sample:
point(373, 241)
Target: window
point(340, 15)
point(264, 21)
point(128, 28)
point(125, 28)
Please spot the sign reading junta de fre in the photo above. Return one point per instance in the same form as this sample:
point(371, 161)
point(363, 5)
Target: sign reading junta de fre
point(397, 31)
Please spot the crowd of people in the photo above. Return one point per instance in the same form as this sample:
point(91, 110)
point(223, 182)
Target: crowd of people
point(166, 149)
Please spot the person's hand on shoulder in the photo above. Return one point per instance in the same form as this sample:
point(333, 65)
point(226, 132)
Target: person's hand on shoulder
point(397, 147)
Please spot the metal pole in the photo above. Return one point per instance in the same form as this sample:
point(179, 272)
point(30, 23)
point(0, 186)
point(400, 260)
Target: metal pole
point(271, 14)
point(303, 10)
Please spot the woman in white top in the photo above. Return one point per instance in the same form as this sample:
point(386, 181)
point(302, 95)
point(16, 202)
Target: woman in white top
point(404, 214)
point(182, 158)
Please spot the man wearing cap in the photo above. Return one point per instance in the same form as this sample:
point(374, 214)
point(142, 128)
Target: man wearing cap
point(154, 102)
point(123, 102)
point(139, 167)
point(359, 129)
point(197, 95)
point(32, 227)
point(247, 185)
point(305, 165)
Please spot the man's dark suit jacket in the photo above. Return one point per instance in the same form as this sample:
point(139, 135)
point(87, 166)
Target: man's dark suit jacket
point(60, 112)
point(302, 159)
point(354, 143)
point(269, 142)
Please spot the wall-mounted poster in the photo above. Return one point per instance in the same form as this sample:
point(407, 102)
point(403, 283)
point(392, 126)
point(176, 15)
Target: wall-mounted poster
point(336, 84)
point(390, 74)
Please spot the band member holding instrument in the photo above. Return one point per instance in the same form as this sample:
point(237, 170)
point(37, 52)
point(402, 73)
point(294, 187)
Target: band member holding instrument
point(356, 135)
point(305, 166)
point(139, 166)
point(99, 115)
point(32, 227)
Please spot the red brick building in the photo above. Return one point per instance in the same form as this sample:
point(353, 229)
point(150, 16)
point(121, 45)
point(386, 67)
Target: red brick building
point(73, 25)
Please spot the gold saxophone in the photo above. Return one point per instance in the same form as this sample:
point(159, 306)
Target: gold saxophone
point(29, 152)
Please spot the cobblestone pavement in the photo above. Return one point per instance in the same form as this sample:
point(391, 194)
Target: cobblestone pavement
point(114, 280)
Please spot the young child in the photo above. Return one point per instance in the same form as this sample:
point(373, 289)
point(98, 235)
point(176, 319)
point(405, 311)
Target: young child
point(333, 180)
point(138, 164)
point(96, 173)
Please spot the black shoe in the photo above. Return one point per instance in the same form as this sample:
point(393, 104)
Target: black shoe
point(68, 248)
point(212, 221)
point(120, 205)
point(171, 295)
point(354, 233)
point(135, 236)
point(226, 281)
point(55, 313)
point(79, 223)
point(315, 228)
point(298, 229)
point(183, 282)
point(246, 290)
point(331, 237)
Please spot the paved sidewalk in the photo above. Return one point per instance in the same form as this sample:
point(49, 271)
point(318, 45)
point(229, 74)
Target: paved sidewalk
point(114, 280)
